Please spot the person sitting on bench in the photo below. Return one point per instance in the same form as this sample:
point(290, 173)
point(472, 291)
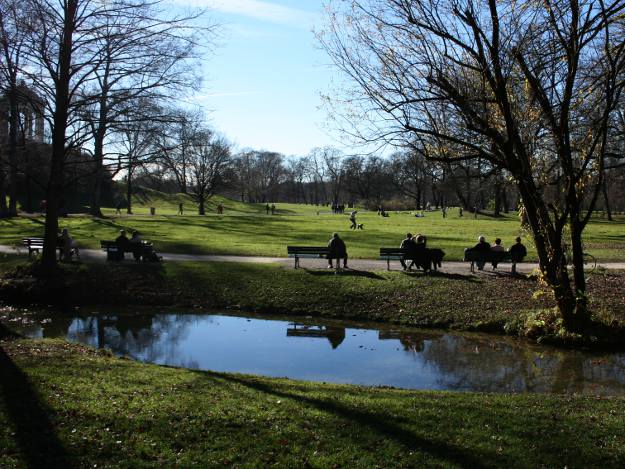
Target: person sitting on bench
point(408, 246)
point(338, 251)
point(68, 246)
point(497, 247)
point(135, 246)
point(517, 253)
point(122, 242)
point(481, 246)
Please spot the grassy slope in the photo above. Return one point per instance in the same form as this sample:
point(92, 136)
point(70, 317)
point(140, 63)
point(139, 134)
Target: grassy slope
point(498, 304)
point(245, 229)
point(65, 403)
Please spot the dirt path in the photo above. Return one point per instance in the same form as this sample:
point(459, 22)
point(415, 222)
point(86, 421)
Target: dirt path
point(93, 255)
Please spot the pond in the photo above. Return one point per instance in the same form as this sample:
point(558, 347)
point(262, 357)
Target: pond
point(337, 352)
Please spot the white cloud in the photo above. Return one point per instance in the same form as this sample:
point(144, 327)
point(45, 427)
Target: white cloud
point(258, 9)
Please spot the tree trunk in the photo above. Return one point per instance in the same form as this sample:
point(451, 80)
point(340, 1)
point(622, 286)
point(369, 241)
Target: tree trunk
point(497, 199)
point(13, 160)
point(129, 193)
point(606, 199)
point(57, 164)
point(549, 246)
point(201, 209)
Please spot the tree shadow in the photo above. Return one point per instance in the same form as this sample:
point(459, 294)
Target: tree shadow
point(378, 423)
point(441, 274)
point(343, 272)
point(34, 432)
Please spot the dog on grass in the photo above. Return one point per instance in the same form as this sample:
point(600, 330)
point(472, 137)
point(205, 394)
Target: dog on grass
point(360, 226)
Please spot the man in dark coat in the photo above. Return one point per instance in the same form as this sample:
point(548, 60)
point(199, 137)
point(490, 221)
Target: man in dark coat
point(517, 253)
point(338, 251)
point(408, 246)
point(481, 246)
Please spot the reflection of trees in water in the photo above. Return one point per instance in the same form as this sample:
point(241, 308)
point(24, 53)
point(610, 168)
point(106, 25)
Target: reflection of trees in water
point(154, 338)
point(487, 365)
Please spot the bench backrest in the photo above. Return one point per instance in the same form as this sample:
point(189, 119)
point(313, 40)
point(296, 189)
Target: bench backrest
point(32, 242)
point(392, 252)
point(486, 256)
point(313, 250)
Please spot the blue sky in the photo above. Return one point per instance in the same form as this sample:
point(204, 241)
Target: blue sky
point(262, 86)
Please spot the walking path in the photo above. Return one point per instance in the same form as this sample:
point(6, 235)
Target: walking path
point(452, 267)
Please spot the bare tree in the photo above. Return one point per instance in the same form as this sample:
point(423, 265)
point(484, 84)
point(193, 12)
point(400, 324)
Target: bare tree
point(209, 159)
point(530, 88)
point(141, 53)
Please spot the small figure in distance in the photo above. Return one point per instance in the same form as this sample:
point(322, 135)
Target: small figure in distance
point(460, 212)
point(497, 247)
point(409, 248)
point(444, 212)
point(273, 209)
point(118, 208)
point(267, 208)
point(481, 246)
point(220, 209)
point(338, 251)
point(517, 253)
point(180, 208)
point(134, 245)
point(352, 219)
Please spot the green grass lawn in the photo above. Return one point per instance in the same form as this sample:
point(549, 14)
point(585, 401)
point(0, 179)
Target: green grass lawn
point(245, 229)
point(64, 405)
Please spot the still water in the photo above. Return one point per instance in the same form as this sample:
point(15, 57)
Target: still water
point(337, 352)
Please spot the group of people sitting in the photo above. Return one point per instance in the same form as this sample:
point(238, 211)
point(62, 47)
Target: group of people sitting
point(141, 250)
point(416, 252)
point(517, 252)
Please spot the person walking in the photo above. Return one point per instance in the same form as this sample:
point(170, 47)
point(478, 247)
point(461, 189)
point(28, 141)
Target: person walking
point(352, 218)
point(180, 209)
point(273, 209)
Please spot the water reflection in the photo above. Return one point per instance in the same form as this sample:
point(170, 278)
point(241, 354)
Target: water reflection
point(349, 354)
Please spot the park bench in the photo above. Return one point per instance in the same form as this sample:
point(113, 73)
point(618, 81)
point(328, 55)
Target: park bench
point(473, 256)
point(432, 258)
point(115, 253)
point(35, 246)
point(312, 252)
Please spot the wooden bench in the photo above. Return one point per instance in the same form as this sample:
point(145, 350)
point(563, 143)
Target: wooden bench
point(35, 246)
point(432, 258)
point(115, 253)
point(497, 257)
point(312, 252)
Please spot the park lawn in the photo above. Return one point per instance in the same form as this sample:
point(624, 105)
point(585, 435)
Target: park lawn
point(64, 405)
point(245, 229)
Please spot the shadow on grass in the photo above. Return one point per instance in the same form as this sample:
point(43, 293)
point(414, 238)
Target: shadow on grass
point(440, 274)
point(343, 273)
point(34, 432)
point(377, 423)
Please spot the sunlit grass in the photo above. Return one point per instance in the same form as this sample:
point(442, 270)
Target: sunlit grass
point(246, 229)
